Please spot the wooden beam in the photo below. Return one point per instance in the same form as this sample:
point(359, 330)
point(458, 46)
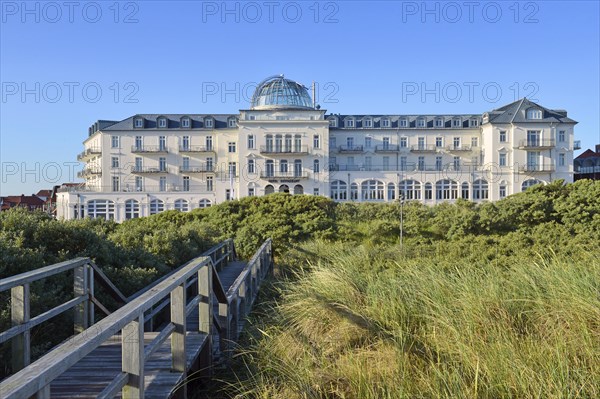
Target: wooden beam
point(19, 314)
point(205, 311)
point(178, 316)
point(132, 355)
point(43, 272)
point(80, 286)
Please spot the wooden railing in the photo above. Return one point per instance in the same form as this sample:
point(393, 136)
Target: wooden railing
point(198, 276)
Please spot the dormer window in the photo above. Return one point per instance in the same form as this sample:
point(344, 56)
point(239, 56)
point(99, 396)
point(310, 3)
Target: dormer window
point(456, 122)
point(208, 123)
point(349, 122)
point(534, 113)
point(368, 122)
point(185, 122)
point(439, 122)
point(473, 122)
point(421, 122)
point(333, 122)
point(138, 123)
point(232, 122)
point(162, 122)
point(385, 123)
point(403, 123)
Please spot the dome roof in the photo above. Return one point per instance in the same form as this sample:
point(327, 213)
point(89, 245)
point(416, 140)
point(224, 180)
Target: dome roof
point(278, 92)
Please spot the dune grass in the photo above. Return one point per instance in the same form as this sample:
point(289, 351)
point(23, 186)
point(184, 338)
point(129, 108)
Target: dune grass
point(360, 322)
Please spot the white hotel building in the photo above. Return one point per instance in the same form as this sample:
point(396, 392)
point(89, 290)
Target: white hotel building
point(148, 163)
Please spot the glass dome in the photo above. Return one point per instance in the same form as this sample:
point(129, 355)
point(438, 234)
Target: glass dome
point(278, 92)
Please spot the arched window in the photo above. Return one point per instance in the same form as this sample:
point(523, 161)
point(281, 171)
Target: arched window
point(132, 209)
point(480, 189)
point(529, 183)
point(156, 206)
point(298, 189)
point(182, 205)
point(533, 113)
point(338, 190)
point(410, 189)
point(464, 191)
point(446, 189)
point(101, 209)
point(428, 191)
point(354, 192)
point(269, 189)
point(284, 188)
point(204, 203)
point(372, 190)
point(391, 191)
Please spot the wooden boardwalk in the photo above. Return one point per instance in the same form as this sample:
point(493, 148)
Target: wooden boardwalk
point(214, 314)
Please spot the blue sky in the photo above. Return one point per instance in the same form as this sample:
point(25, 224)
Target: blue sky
point(63, 66)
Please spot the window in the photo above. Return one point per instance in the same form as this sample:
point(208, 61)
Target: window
point(421, 122)
point(162, 122)
point(464, 191)
point(138, 164)
point(456, 142)
point(386, 143)
point(162, 184)
point(456, 163)
point(156, 206)
point(372, 190)
point(298, 189)
point(474, 141)
point(332, 142)
point(162, 143)
point(421, 143)
point(209, 183)
point(132, 209)
point(114, 141)
point(502, 191)
point(403, 142)
point(368, 142)
point(228, 194)
point(316, 166)
point(391, 191)
point(410, 189)
point(438, 163)
point(231, 146)
point(162, 164)
point(297, 168)
point(209, 164)
point(297, 143)
point(269, 168)
point(354, 192)
point(186, 183)
point(421, 164)
point(182, 205)
point(402, 163)
point(138, 143)
point(386, 163)
point(333, 122)
point(139, 183)
point(350, 123)
point(101, 209)
point(316, 141)
point(350, 142)
point(250, 141)
point(251, 166)
point(529, 183)
point(139, 122)
point(439, 122)
point(456, 122)
point(502, 159)
point(403, 123)
point(186, 164)
point(232, 123)
point(208, 123)
point(316, 191)
point(269, 189)
point(250, 191)
point(480, 189)
point(385, 123)
point(368, 163)
point(439, 142)
point(561, 159)
point(283, 166)
point(204, 203)
point(185, 123)
point(338, 190)
point(503, 136)
point(115, 183)
point(533, 138)
point(428, 191)
point(185, 143)
point(209, 143)
point(446, 189)
point(561, 136)
point(232, 169)
point(473, 122)
point(114, 162)
point(534, 114)
point(368, 123)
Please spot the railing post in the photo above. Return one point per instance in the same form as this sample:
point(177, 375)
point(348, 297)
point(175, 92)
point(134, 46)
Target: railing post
point(132, 342)
point(91, 313)
point(205, 308)
point(234, 311)
point(178, 305)
point(80, 285)
point(225, 337)
point(19, 313)
point(43, 393)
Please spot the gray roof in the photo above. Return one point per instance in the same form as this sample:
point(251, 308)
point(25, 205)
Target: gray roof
point(412, 120)
point(516, 112)
point(173, 121)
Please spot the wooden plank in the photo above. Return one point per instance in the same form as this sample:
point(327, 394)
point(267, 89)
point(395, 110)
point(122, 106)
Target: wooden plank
point(132, 355)
point(80, 287)
point(178, 318)
point(37, 274)
point(114, 387)
point(19, 314)
point(108, 285)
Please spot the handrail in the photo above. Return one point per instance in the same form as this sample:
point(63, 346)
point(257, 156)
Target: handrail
point(42, 272)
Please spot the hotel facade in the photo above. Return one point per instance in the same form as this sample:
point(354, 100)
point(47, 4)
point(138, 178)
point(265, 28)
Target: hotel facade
point(149, 163)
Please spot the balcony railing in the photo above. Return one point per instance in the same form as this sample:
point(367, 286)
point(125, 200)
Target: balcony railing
point(458, 148)
point(423, 148)
point(302, 149)
point(89, 172)
point(536, 168)
point(132, 188)
point(284, 175)
point(351, 148)
point(196, 169)
point(587, 169)
point(149, 149)
point(195, 148)
point(409, 167)
point(88, 153)
point(387, 148)
point(148, 169)
point(536, 143)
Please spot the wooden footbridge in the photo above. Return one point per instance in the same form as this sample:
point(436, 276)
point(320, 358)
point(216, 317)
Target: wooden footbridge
point(151, 346)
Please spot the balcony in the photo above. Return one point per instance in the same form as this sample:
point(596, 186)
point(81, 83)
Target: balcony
point(540, 168)
point(351, 148)
point(284, 175)
point(196, 169)
point(132, 188)
point(459, 148)
point(423, 148)
point(88, 154)
point(408, 167)
point(387, 148)
point(297, 150)
point(152, 149)
point(87, 172)
point(147, 169)
point(195, 149)
point(536, 144)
